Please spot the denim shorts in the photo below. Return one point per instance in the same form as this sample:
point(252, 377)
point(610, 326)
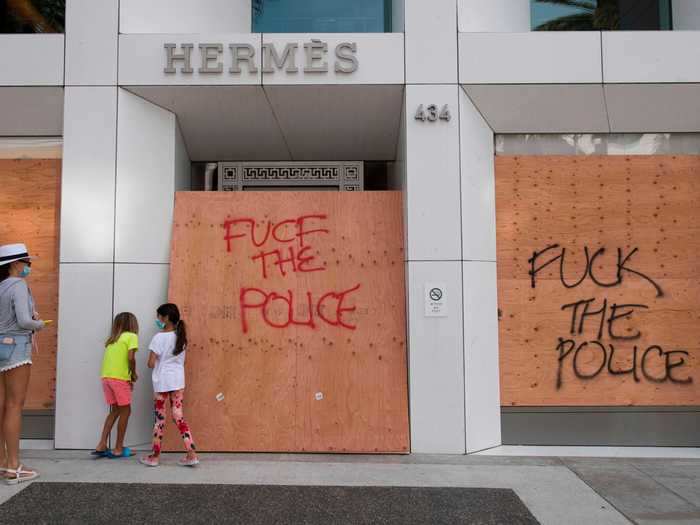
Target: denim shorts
point(21, 355)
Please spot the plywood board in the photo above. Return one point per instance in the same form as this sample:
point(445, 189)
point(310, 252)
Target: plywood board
point(303, 348)
point(638, 218)
point(29, 201)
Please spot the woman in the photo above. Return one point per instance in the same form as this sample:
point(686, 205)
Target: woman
point(18, 322)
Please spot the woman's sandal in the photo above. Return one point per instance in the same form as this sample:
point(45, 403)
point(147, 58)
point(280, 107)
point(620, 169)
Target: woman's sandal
point(20, 475)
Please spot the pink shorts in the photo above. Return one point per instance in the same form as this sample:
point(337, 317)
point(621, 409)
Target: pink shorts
point(117, 391)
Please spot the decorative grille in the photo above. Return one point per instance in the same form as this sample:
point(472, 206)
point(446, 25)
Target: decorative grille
point(238, 176)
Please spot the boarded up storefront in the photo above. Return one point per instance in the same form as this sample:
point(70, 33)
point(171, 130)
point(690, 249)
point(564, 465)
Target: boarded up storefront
point(296, 319)
point(29, 201)
point(599, 281)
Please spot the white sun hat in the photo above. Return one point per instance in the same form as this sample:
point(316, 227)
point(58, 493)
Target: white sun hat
point(13, 252)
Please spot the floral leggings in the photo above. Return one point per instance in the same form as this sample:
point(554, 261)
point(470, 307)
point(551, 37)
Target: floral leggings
point(176, 401)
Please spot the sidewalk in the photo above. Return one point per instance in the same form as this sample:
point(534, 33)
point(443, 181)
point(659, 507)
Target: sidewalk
point(556, 490)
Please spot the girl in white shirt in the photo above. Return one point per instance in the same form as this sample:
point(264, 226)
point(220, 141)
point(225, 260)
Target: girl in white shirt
point(167, 359)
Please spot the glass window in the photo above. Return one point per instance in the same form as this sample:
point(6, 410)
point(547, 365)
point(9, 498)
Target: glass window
point(600, 15)
point(32, 16)
point(322, 16)
point(599, 144)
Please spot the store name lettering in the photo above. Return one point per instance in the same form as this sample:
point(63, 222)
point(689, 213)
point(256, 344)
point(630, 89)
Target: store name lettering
point(215, 58)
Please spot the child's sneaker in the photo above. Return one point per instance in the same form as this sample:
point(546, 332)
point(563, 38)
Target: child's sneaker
point(187, 462)
point(149, 461)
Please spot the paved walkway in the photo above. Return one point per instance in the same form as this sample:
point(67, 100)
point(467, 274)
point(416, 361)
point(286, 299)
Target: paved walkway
point(556, 490)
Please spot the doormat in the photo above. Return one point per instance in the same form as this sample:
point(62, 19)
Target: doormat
point(97, 503)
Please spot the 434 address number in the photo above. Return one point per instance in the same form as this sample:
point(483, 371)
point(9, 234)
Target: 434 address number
point(432, 114)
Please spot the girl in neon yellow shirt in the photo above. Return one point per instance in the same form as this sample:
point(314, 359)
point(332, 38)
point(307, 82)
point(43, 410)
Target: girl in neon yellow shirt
point(118, 376)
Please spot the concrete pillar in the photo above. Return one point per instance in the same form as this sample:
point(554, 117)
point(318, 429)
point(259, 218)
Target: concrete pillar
point(186, 16)
point(152, 164)
point(434, 252)
point(482, 396)
point(494, 16)
point(87, 218)
point(124, 158)
point(686, 15)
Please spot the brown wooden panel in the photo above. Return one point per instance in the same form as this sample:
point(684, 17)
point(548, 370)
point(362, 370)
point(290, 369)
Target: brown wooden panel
point(340, 385)
point(29, 201)
point(647, 207)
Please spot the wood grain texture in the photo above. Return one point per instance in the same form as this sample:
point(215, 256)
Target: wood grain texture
point(648, 203)
point(271, 378)
point(29, 201)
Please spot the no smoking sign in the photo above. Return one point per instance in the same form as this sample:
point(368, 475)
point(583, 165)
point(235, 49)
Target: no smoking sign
point(435, 300)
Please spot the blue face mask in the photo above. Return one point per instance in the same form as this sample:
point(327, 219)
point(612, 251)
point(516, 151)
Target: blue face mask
point(160, 324)
point(25, 272)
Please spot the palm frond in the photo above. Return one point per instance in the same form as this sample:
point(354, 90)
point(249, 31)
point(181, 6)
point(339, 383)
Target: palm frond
point(579, 4)
point(606, 17)
point(577, 22)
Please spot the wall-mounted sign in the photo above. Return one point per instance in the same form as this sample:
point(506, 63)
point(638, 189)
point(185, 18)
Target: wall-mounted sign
point(435, 300)
point(217, 58)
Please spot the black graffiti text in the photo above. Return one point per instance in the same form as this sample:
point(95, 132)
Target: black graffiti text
point(606, 316)
point(653, 363)
point(623, 265)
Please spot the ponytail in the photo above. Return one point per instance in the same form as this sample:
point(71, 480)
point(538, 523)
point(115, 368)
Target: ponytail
point(181, 337)
point(172, 312)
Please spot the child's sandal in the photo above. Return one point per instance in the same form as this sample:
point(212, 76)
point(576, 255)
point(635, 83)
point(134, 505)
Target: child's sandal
point(126, 453)
point(20, 475)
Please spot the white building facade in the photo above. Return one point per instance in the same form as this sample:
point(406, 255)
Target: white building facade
point(143, 96)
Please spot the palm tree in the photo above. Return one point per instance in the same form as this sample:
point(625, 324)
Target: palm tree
point(591, 16)
point(33, 16)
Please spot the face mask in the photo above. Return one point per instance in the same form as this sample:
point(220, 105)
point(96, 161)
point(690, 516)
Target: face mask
point(160, 324)
point(25, 272)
